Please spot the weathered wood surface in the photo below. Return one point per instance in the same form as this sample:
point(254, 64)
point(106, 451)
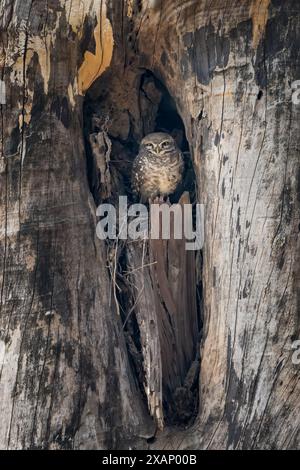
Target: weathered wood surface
point(229, 66)
point(230, 69)
point(64, 355)
point(164, 289)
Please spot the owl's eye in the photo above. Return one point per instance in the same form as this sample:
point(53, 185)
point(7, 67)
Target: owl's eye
point(166, 144)
point(149, 146)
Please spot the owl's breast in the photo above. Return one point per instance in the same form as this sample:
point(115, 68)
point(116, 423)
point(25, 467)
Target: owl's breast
point(154, 177)
point(165, 177)
point(168, 181)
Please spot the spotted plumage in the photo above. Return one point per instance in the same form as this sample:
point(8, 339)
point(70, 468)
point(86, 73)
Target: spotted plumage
point(158, 168)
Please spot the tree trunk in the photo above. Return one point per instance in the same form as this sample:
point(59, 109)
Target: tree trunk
point(66, 380)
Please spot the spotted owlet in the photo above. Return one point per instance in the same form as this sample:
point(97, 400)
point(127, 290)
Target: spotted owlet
point(158, 168)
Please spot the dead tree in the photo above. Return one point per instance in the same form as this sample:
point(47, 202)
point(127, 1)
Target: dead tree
point(67, 379)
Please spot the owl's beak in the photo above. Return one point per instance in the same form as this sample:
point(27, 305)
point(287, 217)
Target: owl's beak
point(157, 149)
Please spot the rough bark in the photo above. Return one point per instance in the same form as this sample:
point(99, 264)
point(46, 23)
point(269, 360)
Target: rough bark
point(229, 66)
point(65, 355)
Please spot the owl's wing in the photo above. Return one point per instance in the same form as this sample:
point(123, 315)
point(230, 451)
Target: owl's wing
point(137, 175)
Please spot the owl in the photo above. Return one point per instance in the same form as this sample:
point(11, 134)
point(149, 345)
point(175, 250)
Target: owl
point(158, 168)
